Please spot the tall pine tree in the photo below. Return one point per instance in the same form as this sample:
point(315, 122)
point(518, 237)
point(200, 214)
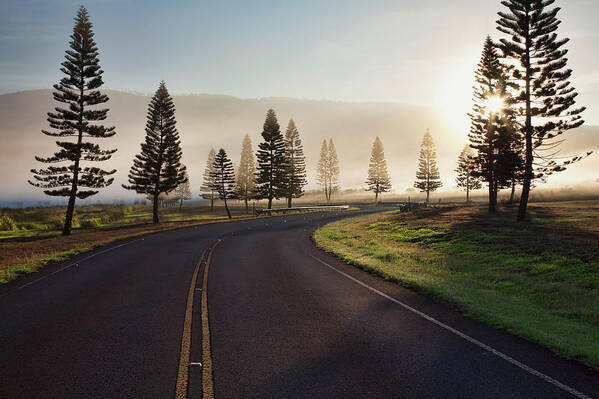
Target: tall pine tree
point(466, 179)
point(296, 163)
point(328, 169)
point(546, 97)
point(223, 178)
point(244, 185)
point(322, 169)
point(492, 132)
point(378, 176)
point(183, 191)
point(79, 90)
point(206, 187)
point(157, 168)
point(428, 174)
point(271, 172)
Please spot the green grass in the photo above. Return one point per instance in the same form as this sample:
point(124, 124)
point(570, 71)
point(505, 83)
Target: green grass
point(538, 279)
point(41, 222)
point(9, 274)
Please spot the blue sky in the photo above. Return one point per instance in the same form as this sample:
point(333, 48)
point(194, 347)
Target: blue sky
point(412, 52)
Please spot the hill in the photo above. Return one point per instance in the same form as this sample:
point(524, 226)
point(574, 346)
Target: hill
point(206, 121)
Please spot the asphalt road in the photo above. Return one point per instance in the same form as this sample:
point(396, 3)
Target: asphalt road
point(285, 321)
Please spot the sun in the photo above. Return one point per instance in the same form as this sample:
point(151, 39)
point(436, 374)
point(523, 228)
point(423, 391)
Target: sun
point(494, 104)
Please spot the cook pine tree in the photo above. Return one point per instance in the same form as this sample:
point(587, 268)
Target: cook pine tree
point(328, 169)
point(466, 178)
point(545, 98)
point(378, 179)
point(271, 170)
point(206, 188)
point(183, 191)
point(157, 168)
point(428, 178)
point(493, 133)
point(244, 184)
point(223, 178)
point(75, 124)
point(296, 163)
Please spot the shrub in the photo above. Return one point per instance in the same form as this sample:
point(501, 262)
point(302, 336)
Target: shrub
point(55, 223)
point(91, 223)
point(7, 223)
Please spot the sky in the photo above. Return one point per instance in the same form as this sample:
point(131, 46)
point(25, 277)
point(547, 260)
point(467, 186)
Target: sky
point(415, 52)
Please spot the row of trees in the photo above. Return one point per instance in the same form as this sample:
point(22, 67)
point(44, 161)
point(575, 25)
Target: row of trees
point(523, 104)
point(277, 171)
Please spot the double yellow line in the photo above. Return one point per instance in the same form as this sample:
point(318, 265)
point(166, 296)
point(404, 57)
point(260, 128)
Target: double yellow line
point(184, 360)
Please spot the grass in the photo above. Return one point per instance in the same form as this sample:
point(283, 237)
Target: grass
point(538, 279)
point(48, 221)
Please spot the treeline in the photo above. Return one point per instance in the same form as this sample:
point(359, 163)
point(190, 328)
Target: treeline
point(523, 103)
point(278, 169)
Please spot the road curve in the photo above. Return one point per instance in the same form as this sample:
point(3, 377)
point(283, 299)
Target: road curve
point(285, 321)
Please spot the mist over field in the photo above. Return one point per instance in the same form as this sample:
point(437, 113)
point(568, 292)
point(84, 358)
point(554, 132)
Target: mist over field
point(206, 121)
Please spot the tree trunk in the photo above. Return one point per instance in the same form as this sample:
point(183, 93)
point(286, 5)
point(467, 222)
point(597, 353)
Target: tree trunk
point(467, 194)
point(428, 191)
point(289, 202)
point(155, 209)
point(247, 208)
point(181, 204)
point(269, 202)
point(227, 208)
point(528, 131)
point(376, 197)
point(68, 220)
point(492, 197)
point(513, 191)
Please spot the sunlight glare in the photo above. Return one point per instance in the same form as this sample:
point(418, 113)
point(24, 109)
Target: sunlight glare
point(495, 104)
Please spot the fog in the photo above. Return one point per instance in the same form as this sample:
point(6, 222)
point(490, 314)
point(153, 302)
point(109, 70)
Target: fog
point(206, 121)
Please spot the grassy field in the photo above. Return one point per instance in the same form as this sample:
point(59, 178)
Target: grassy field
point(538, 279)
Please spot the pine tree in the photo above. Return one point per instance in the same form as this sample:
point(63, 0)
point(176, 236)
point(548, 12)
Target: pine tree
point(322, 169)
point(466, 180)
point(333, 162)
point(245, 186)
point(378, 176)
point(272, 167)
point(546, 97)
point(206, 188)
point(328, 169)
point(79, 90)
point(296, 163)
point(491, 132)
point(428, 173)
point(157, 168)
point(183, 191)
point(223, 178)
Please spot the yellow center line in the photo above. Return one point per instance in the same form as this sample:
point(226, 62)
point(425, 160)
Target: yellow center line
point(207, 384)
point(181, 387)
point(183, 373)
